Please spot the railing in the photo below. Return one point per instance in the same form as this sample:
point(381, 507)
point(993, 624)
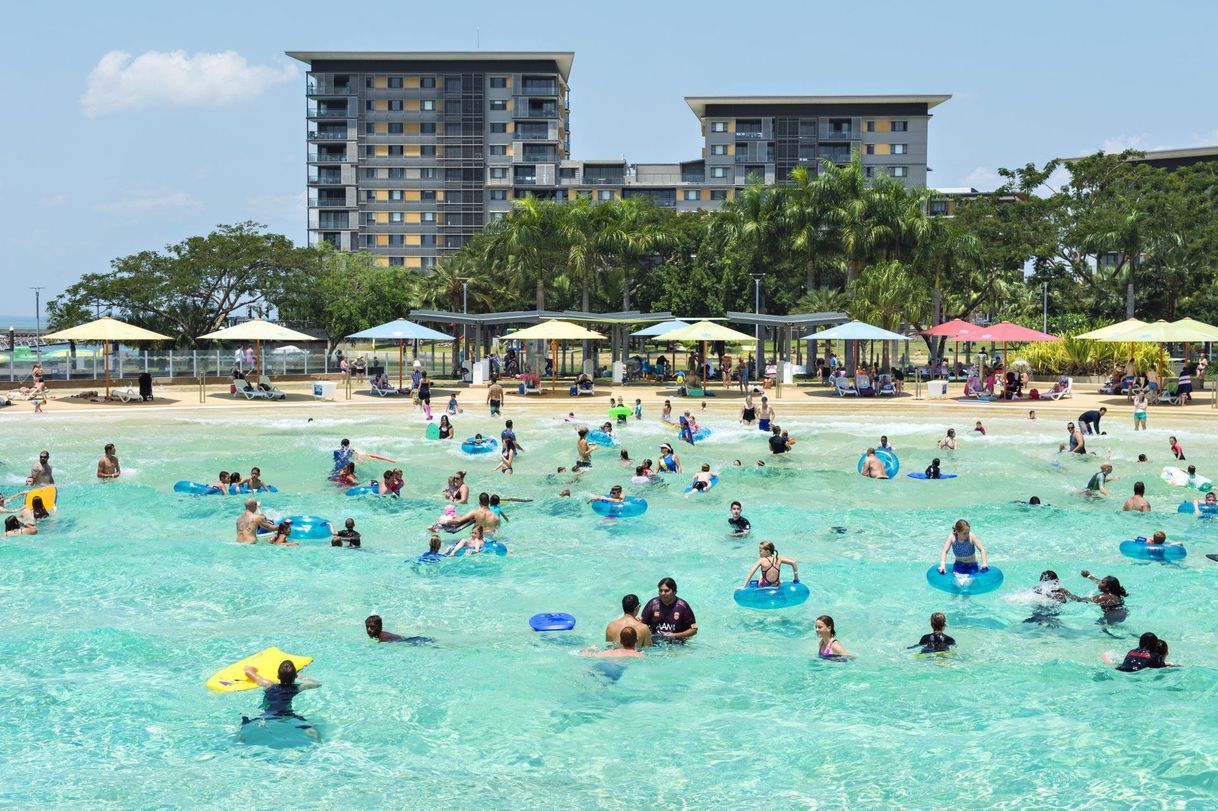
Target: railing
point(749, 134)
point(542, 134)
point(836, 156)
point(536, 90)
point(604, 180)
point(522, 180)
point(330, 112)
point(328, 136)
point(840, 135)
point(318, 88)
point(323, 202)
point(320, 157)
point(326, 180)
point(747, 158)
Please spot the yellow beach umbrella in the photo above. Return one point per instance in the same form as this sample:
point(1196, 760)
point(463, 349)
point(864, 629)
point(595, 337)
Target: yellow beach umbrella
point(703, 331)
point(106, 329)
point(1107, 334)
point(257, 331)
point(555, 330)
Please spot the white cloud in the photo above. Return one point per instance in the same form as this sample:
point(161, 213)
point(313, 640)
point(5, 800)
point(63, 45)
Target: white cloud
point(982, 177)
point(175, 78)
point(1122, 142)
point(148, 202)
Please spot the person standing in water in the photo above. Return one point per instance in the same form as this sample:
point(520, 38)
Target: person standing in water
point(108, 467)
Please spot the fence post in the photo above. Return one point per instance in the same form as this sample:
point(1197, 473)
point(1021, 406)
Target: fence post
point(145, 360)
point(67, 366)
point(306, 368)
point(120, 364)
point(217, 363)
point(171, 364)
point(95, 364)
point(194, 362)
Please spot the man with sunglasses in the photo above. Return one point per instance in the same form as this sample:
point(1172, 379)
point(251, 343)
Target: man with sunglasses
point(40, 473)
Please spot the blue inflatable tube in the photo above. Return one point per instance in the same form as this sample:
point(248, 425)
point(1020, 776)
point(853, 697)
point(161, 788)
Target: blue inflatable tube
point(429, 557)
point(197, 489)
point(956, 583)
point(598, 437)
point(1140, 549)
point(489, 547)
point(487, 445)
point(892, 465)
point(928, 478)
point(628, 508)
point(787, 595)
point(373, 489)
point(552, 622)
point(713, 481)
point(305, 528)
point(1206, 509)
point(266, 488)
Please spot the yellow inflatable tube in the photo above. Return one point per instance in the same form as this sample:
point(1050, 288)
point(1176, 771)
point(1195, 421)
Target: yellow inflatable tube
point(233, 678)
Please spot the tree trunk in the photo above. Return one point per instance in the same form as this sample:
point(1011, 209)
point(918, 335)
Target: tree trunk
point(625, 291)
point(1129, 295)
point(810, 277)
point(541, 294)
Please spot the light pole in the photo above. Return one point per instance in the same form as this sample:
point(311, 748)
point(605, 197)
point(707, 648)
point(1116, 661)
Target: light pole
point(464, 326)
point(38, 319)
point(757, 327)
point(1045, 311)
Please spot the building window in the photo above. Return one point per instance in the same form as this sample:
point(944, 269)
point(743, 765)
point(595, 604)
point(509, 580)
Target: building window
point(719, 194)
point(498, 150)
point(428, 173)
point(498, 194)
point(395, 105)
point(499, 172)
point(498, 105)
point(719, 171)
point(870, 126)
point(427, 105)
point(938, 208)
point(867, 171)
point(427, 150)
point(428, 128)
point(396, 240)
point(900, 171)
point(689, 194)
point(428, 216)
point(870, 148)
point(395, 128)
point(396, 195)
point(369, 195)
point(718, 149)
point(395, 150)
point(397, 173)
point(604, 194)
point(427, 194)
point(369, 129)
point(498, 215)
point(900, 126)
point(718, 126)
point(498, 127)
point(498, 82)
point(427, 82)
point(900, 149)
point(395, 82)
point(397, 261)
point(428, 239)
point(369, 174)
point(395, 216)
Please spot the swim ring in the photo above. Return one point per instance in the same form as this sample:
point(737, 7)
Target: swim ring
point(1202, 509)
point(598, 437)
point(892, 465)
point(786, 595)
point(956, 583)
point(489, 547)
point(557, 621)
point(630, 507)
point(487, 445)
point(1142, 550)
point(304, 527)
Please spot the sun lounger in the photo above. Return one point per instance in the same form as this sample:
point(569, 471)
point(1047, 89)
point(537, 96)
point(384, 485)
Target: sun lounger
point(1066, 390)
point(125, 394)
point(844, 387)
point(384, 391)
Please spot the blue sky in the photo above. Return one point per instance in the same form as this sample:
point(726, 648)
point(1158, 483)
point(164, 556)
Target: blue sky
point(113, 144)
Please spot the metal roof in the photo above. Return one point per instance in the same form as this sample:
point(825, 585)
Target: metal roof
point(534, 316)
point(699, 103)
point(562, 58)
point(793, 320)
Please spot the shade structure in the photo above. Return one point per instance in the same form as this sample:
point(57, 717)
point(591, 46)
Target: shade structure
point(554, 331)
point(705, 331)
point(950, 329)
point(1106, 334)
point(855, 331)
point(1008, 332)
point(401, 331)
point(659, 329)
point(1159, 332)
point(257, 330)
point(106, 329)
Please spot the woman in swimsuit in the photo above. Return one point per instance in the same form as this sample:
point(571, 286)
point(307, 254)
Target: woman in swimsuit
point(769, 567)
point(669, 461)
point(748, 412)
point(948, 443)
point(1139, 411)
point(508, 454)
point(347, 477)
point(686, 432)
point(828, 647)
point(446, 428)
point(965, 546)
point(1111, 598)
point(666, 412)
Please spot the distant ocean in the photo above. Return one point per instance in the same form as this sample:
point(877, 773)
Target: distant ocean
point(21, 321)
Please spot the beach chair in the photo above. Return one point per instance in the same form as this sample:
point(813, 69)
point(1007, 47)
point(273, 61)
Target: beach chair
point(1170, 394)
point(384, 391)
point(1065, 391)
point(844, 387)
point(530, 387)
point(590, 389)
point(125, 394)
point(886, 387)
point(862, 384)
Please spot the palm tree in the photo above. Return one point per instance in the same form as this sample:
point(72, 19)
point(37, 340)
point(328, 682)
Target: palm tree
point(455, 278)
point(524, 244)
point(887, 294)
point(807, 223)
point(850, 214)
point(1134, 238)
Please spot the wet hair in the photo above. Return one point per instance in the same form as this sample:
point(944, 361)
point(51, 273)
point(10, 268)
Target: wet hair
point(630, 603)
point(224, 476)
point(1139, 489)
point(951, 431)
point(669, 583)
point(705, 467)
point(251, 504)
point(1192, 470)
point(1159, 537)
point(1148, 641)
point(373, 625)
point(1034, 500)
point(937, 621)
point(828, 622)
point(870, 451)
point(349, 523)
point(617, 488)
point(960, 526)
point(583, 433)
point(484, 499)
point(39, 509)
point(638, 470)
point(648, 463)
point(883, 437)
point(628, 636)
point(345, 443)
point(255, 471)
point(287, 672)
point(1049, 576)
point(109, 447)
point(11, 523)
point(624, 455)
point(935, 462)
point(477, 530)
point(1161, 648)
point(768, 547)
point(1110, 585)
point(433, 544)
point(1141, 457)
point(735, 504)
point(234, 478)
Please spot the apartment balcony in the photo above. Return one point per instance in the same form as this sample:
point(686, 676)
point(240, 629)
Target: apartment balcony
point(749, 158)
point(327, 157)
point(329, 202)
point(834, 155)
point(750, 134)
point(328, 111)
point(535, 90)
point(335, 179)
point(840, 135)
point(328, 135)
point(327, 87)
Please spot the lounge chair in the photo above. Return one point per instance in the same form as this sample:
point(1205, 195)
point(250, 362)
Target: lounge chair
point(251, 392)
point(844, 387)
point(1170, 395)
point(590, 389)
point(863, 384)
point(1065, 391)
point(125, 394)
point(886, 387)
point(528, 387)
point(385, 391)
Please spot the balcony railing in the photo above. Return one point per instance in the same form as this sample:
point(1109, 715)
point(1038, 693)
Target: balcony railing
point(324, 157)
point(537, 90)
point(322, 135)
point(525, 180)
point(331, 112)
point(325, 180)
point(328, 202)
point(316, 87)
point(534, 134)
point(746, 158)
point(749, 134)
point(839, 135)
point(604, 180)
point(835, 155)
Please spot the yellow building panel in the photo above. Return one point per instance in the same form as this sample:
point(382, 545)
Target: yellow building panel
point(883, 126)
point(883, 149)
point(412, 216)
point(511, 126)
point(440, 195)
point(440, 150)
point(509, 82)
point(380, 106)
point(731, 125)
point(411, 83)
point(382, 261)
point(412, 195)
point(509, 150)
point(382, 128)
point(412, 128)
point(382, 218)
point(509, 101)
point(414, 261)
point(440, 219)
point(414, 239)
point(731, 149)
point(439, 128)
point(380, 82)
point(382, 150)
point(382, 195)
point(411, 150)
point(382, 240)
point(411, 105)
point(706, 194)
point(439, 104)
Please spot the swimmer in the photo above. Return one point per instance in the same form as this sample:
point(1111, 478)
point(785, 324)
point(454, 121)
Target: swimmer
point(509, 433)
point(979, 428)
point(1176, 450)
point(964, 545)
point(748, 411)
point(780, 441)
point(885, 446)
point(446, 427)
point(498, 510)
point(669, 461)
point(628, 638)
point(615, 496)
point(765, 414)
point(457, 490)
point(507, 455)
point(1077, 442)
point(1032, 414)
point(932, 472)
point(433, 550)
point(41, 473)
point(648, 468)
point(255, 482)
point(346, 534)
point(1160, 539)
point(1095, 487)
point(282, 533)
point(250, 521)
point(570, 417)
point(936, 641)
point(375, 630)
point(736, 520)
point(638, 408)
point(827, 645)
point(686, 432)
point(666, 412)
point(13, 525)
point(629, 619)
point(624, 458)
point(1210, 503)
point(701, 482)
point(640, 476)
point(873, 467)
point(1150, 653)
point(1034, 501)
point(342, 456)
point(474, 543)
point(703, 405)
point(669, 616)
point(769, 567)
point(453, 407)
point(346, 476)
point(1137, 502)
point(948, 443)
point(221, 483)
point(607, 427)
point(108, 467)
point(1111, 598)
point(1139, 411)
point(277, 697)
point(1049, 588)
point(583, 449)
point(1142, 457)
point(483, 516)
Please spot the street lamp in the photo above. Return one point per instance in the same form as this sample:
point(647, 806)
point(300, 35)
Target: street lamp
point(38, 319)
point(1045, 297)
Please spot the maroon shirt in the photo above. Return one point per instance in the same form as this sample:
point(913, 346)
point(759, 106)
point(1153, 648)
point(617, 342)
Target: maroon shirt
point(667, 619)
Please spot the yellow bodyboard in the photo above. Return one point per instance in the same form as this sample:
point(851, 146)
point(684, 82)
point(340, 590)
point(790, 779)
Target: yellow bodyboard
point(233, 678)
point(47, 494)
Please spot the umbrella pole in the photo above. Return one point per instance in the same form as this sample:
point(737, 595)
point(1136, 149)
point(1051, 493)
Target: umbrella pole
point(553, 365)
point(107, 361)
point(401, 360)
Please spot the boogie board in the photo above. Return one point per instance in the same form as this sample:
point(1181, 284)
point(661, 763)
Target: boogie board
point(232, 678)
point(928, 478)
point(432, 432)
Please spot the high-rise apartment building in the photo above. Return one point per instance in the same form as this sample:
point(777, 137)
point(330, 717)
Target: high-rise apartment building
point(411, 154)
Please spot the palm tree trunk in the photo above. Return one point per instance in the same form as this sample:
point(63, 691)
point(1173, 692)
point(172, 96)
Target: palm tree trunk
point(541, 294)
point(1129, 295)
point(810, 276)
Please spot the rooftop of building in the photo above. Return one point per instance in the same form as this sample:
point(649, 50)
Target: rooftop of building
point(562, 59)
point(699, 103)
point(1193, 153)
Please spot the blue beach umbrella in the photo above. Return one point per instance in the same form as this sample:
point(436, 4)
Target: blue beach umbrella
point(401, 331)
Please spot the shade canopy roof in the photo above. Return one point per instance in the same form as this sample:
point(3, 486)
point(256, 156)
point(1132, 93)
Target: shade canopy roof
point(951, 329)
point(555, 330)
point(855, 331)
point(1199, 328)
point(105, 329)
point(706, 331)
point(1107, 333)
point(257, 330)
point(1158, 332)
point(659, 329)
point(401, 330)
point(1007, 332)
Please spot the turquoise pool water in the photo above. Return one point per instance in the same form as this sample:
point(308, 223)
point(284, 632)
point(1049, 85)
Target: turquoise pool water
point(115, 615)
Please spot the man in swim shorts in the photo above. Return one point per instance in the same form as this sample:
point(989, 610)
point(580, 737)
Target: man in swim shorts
point(1095, 487)
point(739, 524)
point(583, 449)
point(483, 516)
point(108, 467)
point(494, 396)
point(667, 615)
point(873, 466)
point(701, 482)
point(40, 473)
point(765, 414)
point(1077, 442)
point(1089, 421)
point(250, 521)
point(1137, 502)
point(375, 630)
point(628, 638)
point(629, 621)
